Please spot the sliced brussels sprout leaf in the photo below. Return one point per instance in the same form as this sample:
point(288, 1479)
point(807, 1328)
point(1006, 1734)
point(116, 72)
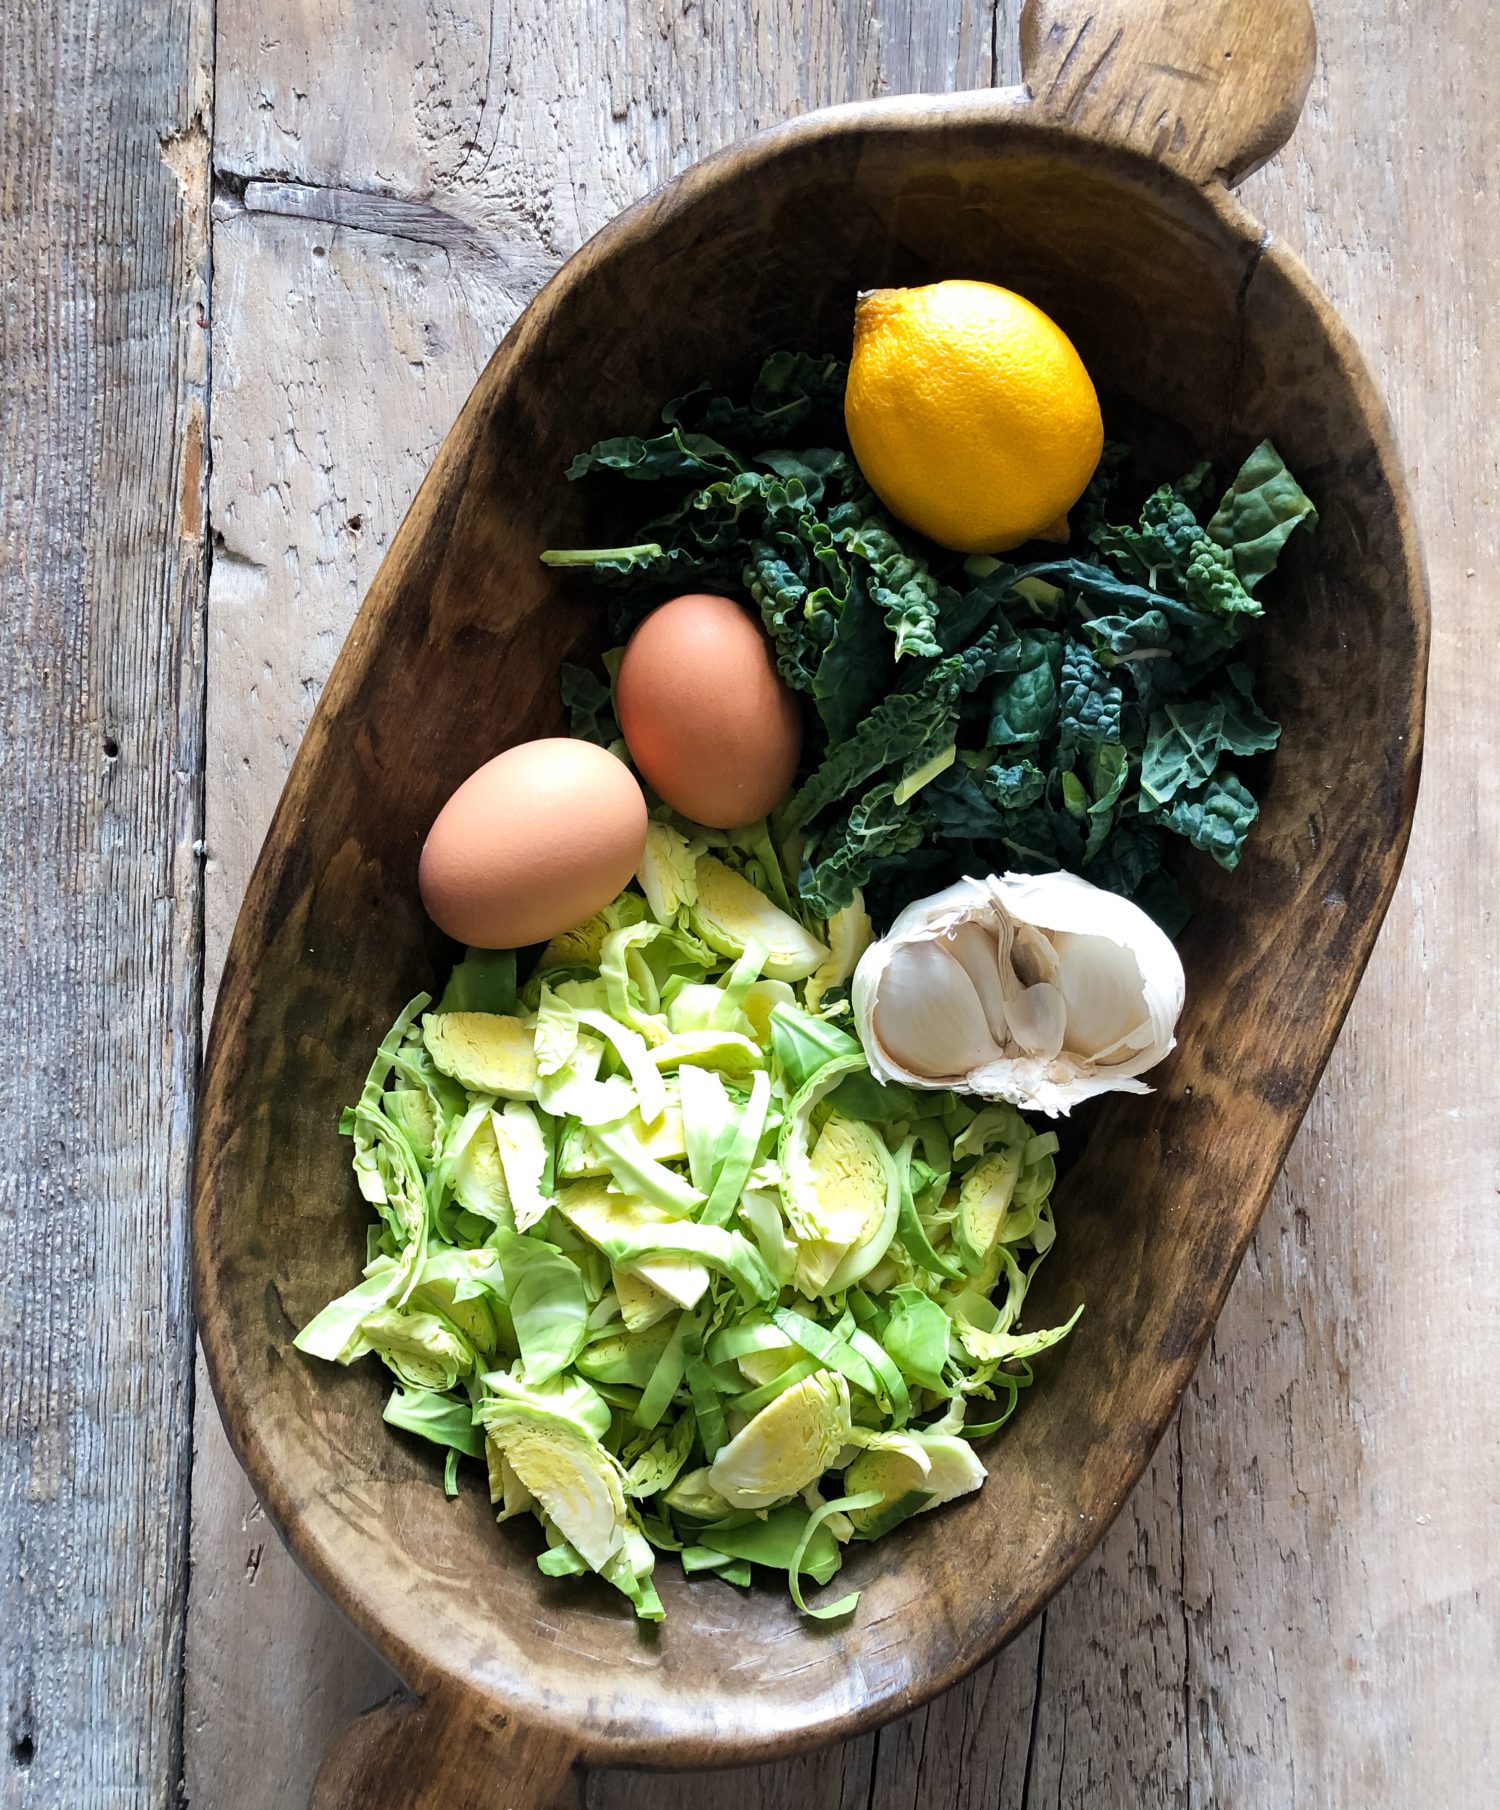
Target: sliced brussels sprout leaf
point(761, 1212)
point(804, 1045)
point(659, 1461)
point(487, 1052)
point(630, 1047)
point(410, 1110)
point(984, 1197)
point(574, 1091)
point(734, 1157)
point(575, 1482)
point(548, 1305)
point(728, 1012)
point(694, 1496)
point(730, 1052)
point(522, 1145)
point(666, 872)
point(917, 1337)
point(627, 1357)
point(786, 1446)
point(652, 1240)
point(583, 947)
point(334, 1333)
point(845, 1605)
point(706, 1113)
point(1012, 1347)
point(484, 981)
point(850, 933)
point(508, 1494)
point(476, 1173)
point(433, 1414)
point(708, 1410)
point(621, 1223)
point(911, 1473)
point(731, 915)
point(632, 1167)
point(579, 1156)
point(424, 1349)
point(777, 1540)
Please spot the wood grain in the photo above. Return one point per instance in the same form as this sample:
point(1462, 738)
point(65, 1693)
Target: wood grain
point(103, 382)
point(344, 342)
point(1344, 1622)
point(1262, 1654)
point(1178, 302)
point(406, 1755)
point(370, 363)
point(1212, 87)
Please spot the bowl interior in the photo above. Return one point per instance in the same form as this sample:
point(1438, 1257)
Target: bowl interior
point(1178, 309)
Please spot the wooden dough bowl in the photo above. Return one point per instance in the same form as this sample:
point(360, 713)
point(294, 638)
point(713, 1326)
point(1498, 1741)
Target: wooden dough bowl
point(1101, 191)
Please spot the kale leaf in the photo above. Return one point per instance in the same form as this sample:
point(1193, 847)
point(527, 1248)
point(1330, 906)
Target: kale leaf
point(1078, 710)
point(590, 707)
point(1259, 512)
point(1216, 818)
point(1023, 706)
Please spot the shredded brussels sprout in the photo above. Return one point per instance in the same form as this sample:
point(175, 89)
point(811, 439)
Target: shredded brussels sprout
point(654, 1245)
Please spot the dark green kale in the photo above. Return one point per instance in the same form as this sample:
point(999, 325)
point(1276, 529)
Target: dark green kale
point(1074, 711)
point(590, 706)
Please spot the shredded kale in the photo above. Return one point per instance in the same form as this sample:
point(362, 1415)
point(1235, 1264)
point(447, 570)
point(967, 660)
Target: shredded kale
point(1078, 711)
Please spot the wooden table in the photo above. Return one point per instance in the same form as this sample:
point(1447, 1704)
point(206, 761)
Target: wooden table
point(250, 269)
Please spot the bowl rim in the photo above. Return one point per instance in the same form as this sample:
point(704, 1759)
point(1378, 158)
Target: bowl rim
point(1014, 120)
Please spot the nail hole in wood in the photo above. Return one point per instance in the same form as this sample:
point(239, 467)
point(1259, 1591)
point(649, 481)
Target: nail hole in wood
point(355, 523)
point(111, 748)
point(23, 1752)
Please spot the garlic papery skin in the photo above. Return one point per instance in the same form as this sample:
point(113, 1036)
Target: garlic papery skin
point(1043, 990)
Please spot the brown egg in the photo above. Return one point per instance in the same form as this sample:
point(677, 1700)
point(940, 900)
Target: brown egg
point(537, 840)
point(705, 714)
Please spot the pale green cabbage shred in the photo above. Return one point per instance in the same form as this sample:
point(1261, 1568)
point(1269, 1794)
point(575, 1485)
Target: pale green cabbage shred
point(654, 1245)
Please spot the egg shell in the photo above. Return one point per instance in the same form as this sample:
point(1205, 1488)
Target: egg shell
point(708, 720)
point(538, 839)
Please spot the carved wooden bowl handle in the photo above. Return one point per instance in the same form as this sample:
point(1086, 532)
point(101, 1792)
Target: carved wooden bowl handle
point(411, 1753)
point(1212, 87)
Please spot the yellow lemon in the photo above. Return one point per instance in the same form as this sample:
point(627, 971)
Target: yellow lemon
point(971, 414)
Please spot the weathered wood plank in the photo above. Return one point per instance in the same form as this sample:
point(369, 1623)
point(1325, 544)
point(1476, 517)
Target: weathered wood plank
point(1111, 1709)
point(539, 129)
point(103, 368)
point(350, 326)
point(344, 356)
point(1342, 1539)
point(1272, 1616)
point(369, 250)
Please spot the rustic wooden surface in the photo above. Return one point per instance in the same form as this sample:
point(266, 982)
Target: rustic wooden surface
point(1298, 1604)
point(456, 648)
point(1290, 1602)
point(103, 397)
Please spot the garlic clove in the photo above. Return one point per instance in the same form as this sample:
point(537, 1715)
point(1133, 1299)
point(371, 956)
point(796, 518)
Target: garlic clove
point(979, 954)
point(1039, 1020)
point(1128, 1046)
point(1032, 957)
point(928, 1015)
point(1101, 982)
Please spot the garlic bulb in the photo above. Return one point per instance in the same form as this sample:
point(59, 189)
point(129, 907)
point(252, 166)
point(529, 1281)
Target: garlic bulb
point(1041, 990)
